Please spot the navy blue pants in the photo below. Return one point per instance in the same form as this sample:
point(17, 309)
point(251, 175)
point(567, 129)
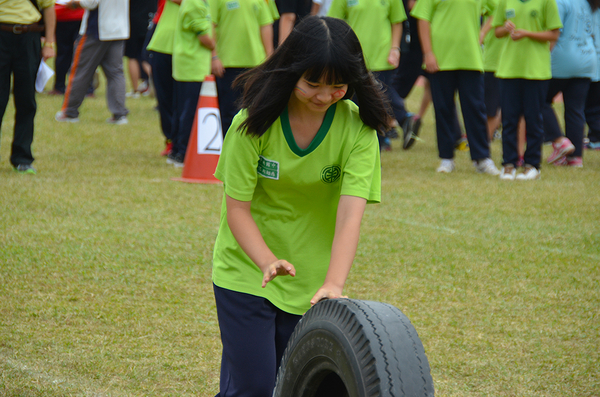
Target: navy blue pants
point(162, 75)
point(254, 334)
point(574, 95)
point(387, 78)
point(592, 112)
point(185, 103)
point(469, 84)
point(525, 98)
point(228, 96)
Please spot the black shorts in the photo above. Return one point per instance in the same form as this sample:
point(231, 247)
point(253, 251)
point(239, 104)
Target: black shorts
point(134, 46)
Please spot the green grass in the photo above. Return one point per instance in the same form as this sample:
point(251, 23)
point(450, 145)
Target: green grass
point(105, 267)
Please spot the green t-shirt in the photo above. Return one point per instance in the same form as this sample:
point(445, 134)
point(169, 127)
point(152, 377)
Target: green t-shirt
point(273, 8)
point(162, 39)
point(492, 49)
point(371, 20)
point(455, 26)
point(295, 195)
point(191, 60)
point(526, 58)
point(239, 43)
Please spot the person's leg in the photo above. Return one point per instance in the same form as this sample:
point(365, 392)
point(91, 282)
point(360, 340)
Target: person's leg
point(386, 77)
point(25, 65)
point(552, 130)
point(250, 327)
point(162, 73)
point(470, 91)
point(592, 114)
point(112, 65)
point(88, 55)
point(534, 96)
point(574, 97)
point(407, 73)
point(511, 103)
point(228, 96)
point(186, 103)
point(443, 88)
point(66, 34)
point(134, 73)
point(492, 103)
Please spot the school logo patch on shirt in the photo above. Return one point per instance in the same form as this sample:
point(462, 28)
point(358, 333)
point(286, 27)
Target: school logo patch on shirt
point(232, 5)
point(268, 168)
point(331, 173)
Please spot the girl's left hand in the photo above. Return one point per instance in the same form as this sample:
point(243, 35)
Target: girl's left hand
point(394, 57)
point(326, 292)
point(518, 34)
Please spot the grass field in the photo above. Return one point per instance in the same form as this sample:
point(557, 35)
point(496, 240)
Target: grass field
point(105, 266)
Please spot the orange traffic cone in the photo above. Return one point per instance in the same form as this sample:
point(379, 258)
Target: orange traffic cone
point(206, 138)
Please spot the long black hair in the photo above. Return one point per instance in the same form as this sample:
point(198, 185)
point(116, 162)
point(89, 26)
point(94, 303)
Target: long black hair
point(595, 4)
point(318, 48)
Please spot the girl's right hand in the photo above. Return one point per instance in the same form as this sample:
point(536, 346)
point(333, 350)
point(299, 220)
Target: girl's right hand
point(431, 65)
point(280, 267)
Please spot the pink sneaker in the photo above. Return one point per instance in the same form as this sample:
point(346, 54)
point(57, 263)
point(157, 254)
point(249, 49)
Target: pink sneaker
point(560, 162)
point(561, 150)
point(576, 162)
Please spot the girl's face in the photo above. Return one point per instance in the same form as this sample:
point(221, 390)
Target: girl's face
point(318, 96)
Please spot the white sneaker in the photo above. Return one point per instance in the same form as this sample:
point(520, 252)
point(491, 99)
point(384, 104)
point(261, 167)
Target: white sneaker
point(62, 117)
point(486, 166)
point(529, 174)
point(117, 120)
point(508, 173)
point(446, 166)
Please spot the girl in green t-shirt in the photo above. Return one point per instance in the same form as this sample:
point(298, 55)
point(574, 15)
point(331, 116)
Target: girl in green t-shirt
point(299, 164)
point(524, 70)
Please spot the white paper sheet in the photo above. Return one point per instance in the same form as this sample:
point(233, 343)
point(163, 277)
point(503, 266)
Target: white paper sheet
point(44, 74)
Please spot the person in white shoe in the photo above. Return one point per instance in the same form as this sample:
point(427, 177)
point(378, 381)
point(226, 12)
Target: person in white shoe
point(104, 29)
point(449, 34)
point(524, 71)
point(573, 66)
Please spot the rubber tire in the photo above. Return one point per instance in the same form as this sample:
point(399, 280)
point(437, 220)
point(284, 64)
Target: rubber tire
point(353, 348)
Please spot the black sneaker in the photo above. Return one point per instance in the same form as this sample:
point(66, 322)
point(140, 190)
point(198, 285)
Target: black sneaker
point(25, 169)
point(175, 159)
point(411, 130)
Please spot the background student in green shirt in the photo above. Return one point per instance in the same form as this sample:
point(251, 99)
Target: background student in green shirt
point(244, 34)
point(525, 70)
point(299, 164)
point(449, 34)
point(192, 46)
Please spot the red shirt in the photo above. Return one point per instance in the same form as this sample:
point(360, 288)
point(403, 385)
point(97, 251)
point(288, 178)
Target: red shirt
point(64, 14)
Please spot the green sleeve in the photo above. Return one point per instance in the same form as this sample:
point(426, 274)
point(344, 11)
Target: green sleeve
point(214, 10)
point(238, 162)
point(500, 14)
point(362, 171)
point(397, 12)
point(265, 17)
point(423, 9)
point(552, 16)
point(338, 9)
point(195, 17)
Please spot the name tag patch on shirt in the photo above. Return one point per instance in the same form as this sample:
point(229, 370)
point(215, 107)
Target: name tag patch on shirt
point(268, 168)
point(510, 13)
point(352, 3)
point(232, 5)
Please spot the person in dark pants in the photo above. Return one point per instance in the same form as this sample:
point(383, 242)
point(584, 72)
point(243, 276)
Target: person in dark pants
point(574, 64)
point(20, 54)
point(244, 40)
point(524, 70)
point(68, 23)
point(449, 35)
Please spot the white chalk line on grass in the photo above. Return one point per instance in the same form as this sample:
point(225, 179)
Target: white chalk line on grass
point(48, 378)
point(475, 236)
